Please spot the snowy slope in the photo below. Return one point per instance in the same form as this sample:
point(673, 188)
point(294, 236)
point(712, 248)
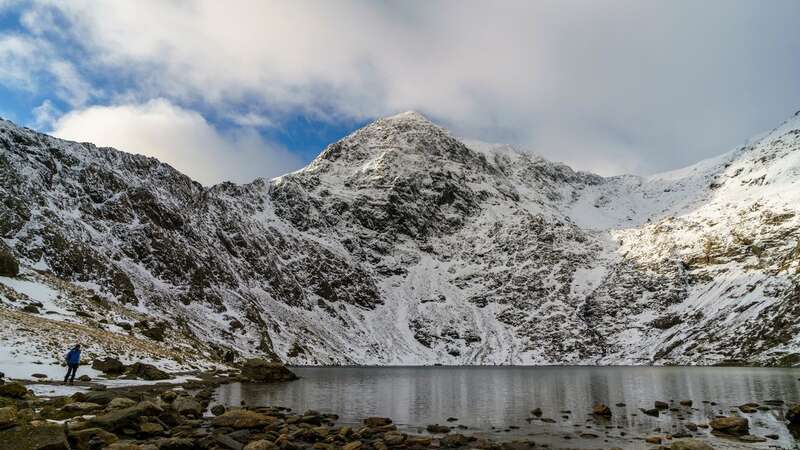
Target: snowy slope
point(401, 244)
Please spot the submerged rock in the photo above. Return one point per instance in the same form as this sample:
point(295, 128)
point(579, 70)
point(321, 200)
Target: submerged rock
point(601, 410)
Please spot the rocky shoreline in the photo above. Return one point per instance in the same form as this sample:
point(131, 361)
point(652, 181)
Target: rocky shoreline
point(183, 416)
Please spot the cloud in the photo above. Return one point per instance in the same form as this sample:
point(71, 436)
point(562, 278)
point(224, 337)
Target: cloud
point(29, 63)
point(655, 84)
point(179, 137)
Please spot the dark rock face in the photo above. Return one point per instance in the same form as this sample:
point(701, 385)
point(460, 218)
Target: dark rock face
point(9, 266)
point(262, 371)
point(793, 415)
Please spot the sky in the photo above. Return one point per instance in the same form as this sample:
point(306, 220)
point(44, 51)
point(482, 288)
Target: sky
point(236, 90)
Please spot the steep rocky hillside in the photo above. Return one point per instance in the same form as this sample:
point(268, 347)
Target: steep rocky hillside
point(402, 244)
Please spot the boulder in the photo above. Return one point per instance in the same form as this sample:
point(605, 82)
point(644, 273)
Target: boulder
point(9, 266)
point(187, 406)
point(690, 444)
point(260, 444)
point(45, 436)
point(85, 378)
point(110, 366)
point(169, 396)
point(91, 437)
point(687, 403)
point(120, 403)
point(81, 407)
point(601, 410)
point(793, 415)
point(174, 443)
point(661, 405)
point(537, 412)
point(737, 426)
point(8, 417)
point(127, 417)
point(263, 371)
point(13, 390)
point(218, 410)
point(147, 372)
point(241, 418)
point(454, 440)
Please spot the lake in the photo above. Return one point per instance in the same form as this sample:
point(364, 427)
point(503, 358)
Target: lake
point(493, 401)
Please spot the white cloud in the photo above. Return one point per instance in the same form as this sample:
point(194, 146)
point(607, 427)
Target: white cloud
point(31, 63)
point(660, 84)
point(179, 137)
point(45, 115)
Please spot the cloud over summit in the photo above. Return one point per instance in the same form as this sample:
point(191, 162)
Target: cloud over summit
point(611, 86)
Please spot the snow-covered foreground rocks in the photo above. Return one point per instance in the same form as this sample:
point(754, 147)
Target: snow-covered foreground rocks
point(401, 244)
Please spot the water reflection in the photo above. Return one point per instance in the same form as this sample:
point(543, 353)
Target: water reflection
point(486, 397)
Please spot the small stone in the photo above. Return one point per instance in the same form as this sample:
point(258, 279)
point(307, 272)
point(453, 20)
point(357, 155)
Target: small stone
point(653, 439)
point(452, 419)
point(687, 403)
point(690, 444)
point(151, 428)
point(85, 378)
point(537, 412)
point(661, 405)
point(169, 396)
point(355, 445)
point(650, 412)
point(218, 410)
point(752, 439)
point(260, 444)
point(39, 375)
point(749, 408)
point(620, 405)
point(454, 440)
point(691, 426)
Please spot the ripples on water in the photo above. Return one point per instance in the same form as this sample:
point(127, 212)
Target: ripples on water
point(486, 397)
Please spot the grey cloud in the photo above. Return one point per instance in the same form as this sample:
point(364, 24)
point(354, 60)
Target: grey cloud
point(612, 86)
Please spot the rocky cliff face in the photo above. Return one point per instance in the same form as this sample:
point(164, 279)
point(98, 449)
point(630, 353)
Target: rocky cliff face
point(401, 244)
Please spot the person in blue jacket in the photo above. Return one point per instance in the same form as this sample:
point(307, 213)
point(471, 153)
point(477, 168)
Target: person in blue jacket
point(73, 361)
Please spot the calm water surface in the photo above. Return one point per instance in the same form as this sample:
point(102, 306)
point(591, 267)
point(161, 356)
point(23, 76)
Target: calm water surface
point(489, 400)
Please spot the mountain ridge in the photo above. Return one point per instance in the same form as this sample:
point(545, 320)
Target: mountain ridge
point(403, 244)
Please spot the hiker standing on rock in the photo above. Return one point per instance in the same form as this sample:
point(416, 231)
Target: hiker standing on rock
point(73, 361)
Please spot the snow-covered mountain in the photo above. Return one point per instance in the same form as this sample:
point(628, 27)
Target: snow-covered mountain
point(401, 244)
